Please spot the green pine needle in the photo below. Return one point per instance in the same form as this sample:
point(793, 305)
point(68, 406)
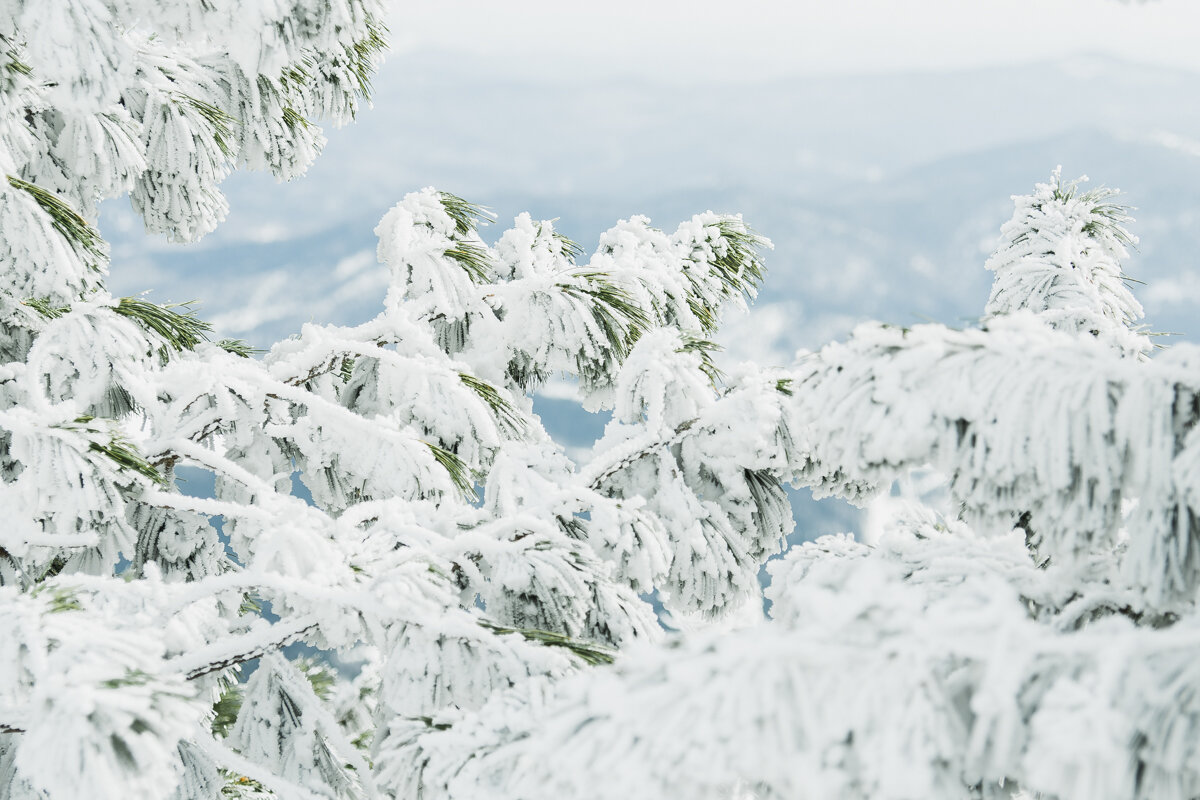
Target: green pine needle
point(434, 725)
point(65, 220)
point(472, 258)
point(15, 64)
point(178, 331)
point(295, 76)
point(121, 452)
point(132, 677)
point(784, 387)
point(364, 53)
point(505, 413)
point(226, 709)
point(238, 348)
point(250, 606)
point(1108, 216)
point(466, 215)
point(704, 349)
point(127, 457)
point(589, 653)
point(460, 475)
point(319, 675)
point(222, 124)
point(43, 306)
point(616, 312)
point(61, 599)
point(738, 263)
point(571, 249)
point(295, 121)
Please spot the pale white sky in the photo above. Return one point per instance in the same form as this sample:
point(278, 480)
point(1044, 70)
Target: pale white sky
point(681, 39)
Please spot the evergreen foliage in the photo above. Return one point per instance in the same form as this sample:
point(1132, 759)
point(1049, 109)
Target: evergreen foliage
point(1037, 635)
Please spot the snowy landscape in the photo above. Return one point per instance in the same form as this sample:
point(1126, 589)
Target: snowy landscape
point(737, 407)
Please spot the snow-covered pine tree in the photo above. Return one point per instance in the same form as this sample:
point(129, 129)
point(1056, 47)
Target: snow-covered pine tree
point(1038, 638)
point(451, 549)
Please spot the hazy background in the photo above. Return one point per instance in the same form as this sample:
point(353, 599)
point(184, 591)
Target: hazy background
point(877, 142)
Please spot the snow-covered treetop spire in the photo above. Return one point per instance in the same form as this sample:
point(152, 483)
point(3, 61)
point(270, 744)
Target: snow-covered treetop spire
point(1060, 257)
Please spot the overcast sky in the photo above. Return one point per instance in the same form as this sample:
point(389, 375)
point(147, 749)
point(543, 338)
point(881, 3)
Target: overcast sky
point(680, 39)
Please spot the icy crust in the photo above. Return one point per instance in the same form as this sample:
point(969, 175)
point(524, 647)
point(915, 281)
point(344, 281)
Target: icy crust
point(917, 669)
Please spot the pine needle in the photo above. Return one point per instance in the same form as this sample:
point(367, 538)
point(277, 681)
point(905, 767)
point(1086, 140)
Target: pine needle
point(505, 413)
point(589, 653)
point(238, 348)
point(363, 54)
point(65, 219)
point(616, 312)
point(704, 349)
point(222, 124)
point(226, 709)
point(460, 475)
point(43, 306)
point(127, 457)
point(179, 331)
point(466, 215)
point(61, 599)
point(472, 258)
point(295, 121)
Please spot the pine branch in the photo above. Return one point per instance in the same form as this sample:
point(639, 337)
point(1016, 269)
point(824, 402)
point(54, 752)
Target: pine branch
point(238, 650)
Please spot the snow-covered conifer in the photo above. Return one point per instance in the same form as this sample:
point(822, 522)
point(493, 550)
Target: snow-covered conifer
point(480, 607)
point(1039, 641)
